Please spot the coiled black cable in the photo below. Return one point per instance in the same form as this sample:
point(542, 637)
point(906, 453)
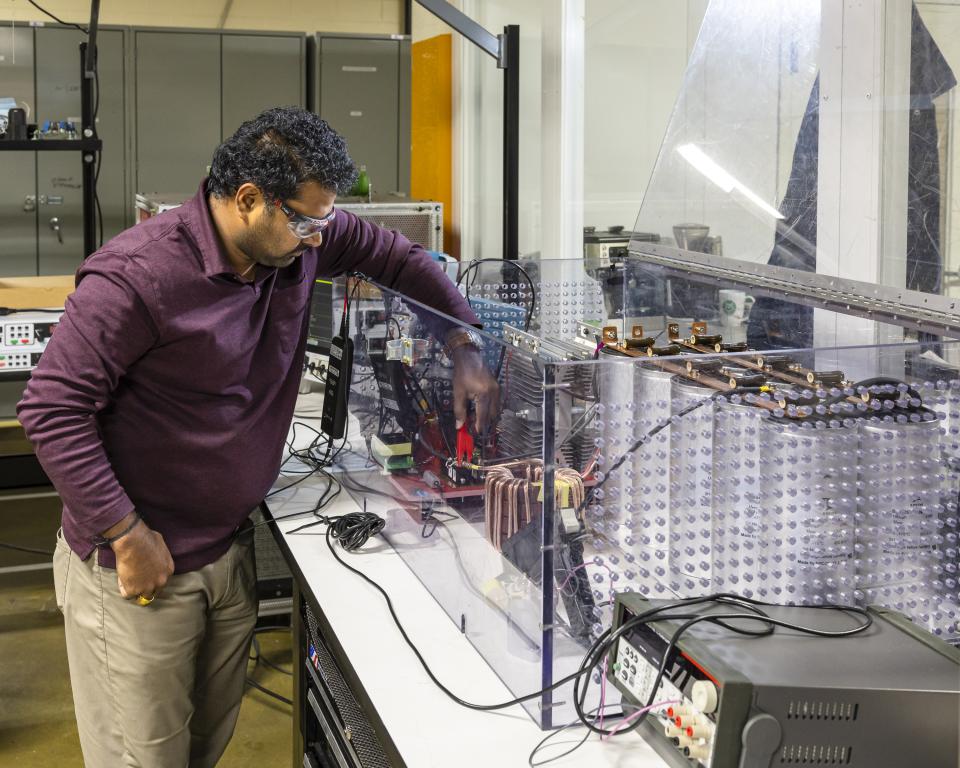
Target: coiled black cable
point(354, 529)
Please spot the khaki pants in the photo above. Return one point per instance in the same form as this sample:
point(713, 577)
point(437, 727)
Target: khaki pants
point(157, 686)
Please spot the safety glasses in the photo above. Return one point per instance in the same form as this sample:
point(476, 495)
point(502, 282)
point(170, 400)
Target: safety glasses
point(305, 226)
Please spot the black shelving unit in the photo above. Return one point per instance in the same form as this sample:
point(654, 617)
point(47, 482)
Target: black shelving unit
point(88, 145)
point(53, 145)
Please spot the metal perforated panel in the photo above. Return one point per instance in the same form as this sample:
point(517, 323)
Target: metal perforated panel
point(419, 222)
point(362, 737)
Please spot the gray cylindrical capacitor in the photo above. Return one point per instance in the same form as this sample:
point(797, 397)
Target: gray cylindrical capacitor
point(651, 526)
point(811, 481)
point(741, 519)
point(691, 489)
point(944, 619)
point(636, 398)
point(898, 538)
point(616, 388)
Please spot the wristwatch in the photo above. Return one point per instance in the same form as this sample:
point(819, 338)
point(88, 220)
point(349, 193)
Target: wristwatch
point(461, 337)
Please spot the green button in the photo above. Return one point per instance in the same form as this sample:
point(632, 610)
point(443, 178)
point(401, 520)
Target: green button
point(15, 341)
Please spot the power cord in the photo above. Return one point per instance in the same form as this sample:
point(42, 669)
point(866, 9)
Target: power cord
point(273, 694)
point(257, 658)
point(363, 525)
point(588, 497)
point(45, 12)
point(29, 550)
point(753, 613)
point(96, 174)
point(4, 311)
point(531, 307)
point(329, 537)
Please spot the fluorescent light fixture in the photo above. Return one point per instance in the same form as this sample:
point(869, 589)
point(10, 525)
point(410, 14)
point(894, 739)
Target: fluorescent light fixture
point(709, 168)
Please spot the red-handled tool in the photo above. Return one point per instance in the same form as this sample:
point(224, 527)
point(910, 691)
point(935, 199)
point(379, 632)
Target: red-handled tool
point(464, 445)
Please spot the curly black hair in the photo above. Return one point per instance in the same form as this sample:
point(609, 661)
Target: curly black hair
point(279, 150)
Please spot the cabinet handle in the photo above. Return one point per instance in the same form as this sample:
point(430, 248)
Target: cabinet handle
point(55, 226)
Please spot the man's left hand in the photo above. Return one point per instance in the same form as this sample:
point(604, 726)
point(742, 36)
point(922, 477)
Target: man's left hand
point(472, 381)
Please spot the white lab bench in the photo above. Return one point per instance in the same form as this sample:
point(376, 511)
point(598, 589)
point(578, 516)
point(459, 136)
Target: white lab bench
point(415, 723)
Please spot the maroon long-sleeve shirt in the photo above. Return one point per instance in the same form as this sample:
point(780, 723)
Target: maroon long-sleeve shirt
point(170, 384)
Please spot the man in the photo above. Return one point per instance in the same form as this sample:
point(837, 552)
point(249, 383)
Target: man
point(160, 409)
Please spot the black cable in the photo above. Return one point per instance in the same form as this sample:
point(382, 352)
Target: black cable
point(306, 456)
point(531, 307)
point(263, 689)
point(640, 441)
point(29, 550)
point(430, 519)
point(57, 19)
point(328, 496)
point(595, 713)
point(606, 642)
point(877, 381)
point(96, 174)
point(304, 476)
point(4, 311)
point(348, 484)
point(354, 530)
point(594, 656)
point(416, 651)
point(272, 628)
point(258, 657)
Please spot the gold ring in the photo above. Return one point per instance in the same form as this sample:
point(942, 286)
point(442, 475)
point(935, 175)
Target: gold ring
point(141, 600)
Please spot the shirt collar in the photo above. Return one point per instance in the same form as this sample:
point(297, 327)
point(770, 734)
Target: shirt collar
point(196, 214)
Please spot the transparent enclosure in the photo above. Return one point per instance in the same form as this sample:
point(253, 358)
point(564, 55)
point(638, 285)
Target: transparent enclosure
point(649, 438)
point(819, 137)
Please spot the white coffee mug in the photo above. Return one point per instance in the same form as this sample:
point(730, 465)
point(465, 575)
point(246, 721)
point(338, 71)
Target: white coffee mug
point(734, 306)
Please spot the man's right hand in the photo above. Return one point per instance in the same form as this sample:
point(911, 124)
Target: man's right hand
point(144, 563)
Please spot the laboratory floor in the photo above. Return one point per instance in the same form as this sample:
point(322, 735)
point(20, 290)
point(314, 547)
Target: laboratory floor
point(37, 726)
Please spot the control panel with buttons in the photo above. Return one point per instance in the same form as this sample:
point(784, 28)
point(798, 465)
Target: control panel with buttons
point(785, 698)
point(686, 715)
point(23, 338)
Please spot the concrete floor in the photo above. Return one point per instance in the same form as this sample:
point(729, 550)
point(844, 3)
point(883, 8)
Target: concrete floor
point(37, 725)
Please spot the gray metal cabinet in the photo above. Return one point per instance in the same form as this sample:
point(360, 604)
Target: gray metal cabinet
point(194, 88)
point(18, 218)
point(364, 93)
point(59, 187)
point(177, 111)
point(259, 72)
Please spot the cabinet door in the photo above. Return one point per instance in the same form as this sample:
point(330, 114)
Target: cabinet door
point(359, 97)
point(59, 174)
point(177, 109)
point(18, 170)
point(259, 72)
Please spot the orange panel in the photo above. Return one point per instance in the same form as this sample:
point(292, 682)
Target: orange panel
point(431, 130)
